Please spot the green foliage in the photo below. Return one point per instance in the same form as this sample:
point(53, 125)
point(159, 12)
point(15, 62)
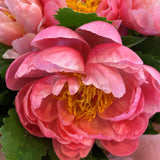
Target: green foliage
point(4, 63)
point(95, 154)
point(18, 144)
point(131, 41)
point(150, 129)
point(151, 45)
point(71, 19)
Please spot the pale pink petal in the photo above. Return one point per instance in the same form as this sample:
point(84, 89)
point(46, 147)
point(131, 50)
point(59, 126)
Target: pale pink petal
point(28, 15)
point(23, 44)
point(122, 148)
point(105, 78)
point(151, 90)
point(10, 31)
point(10, 54)
point(99, 32)
point(61, 36)
point(114, 54)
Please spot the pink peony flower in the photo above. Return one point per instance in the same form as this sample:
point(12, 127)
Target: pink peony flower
point(19, 21)
point(142, 16)
point(82, 86)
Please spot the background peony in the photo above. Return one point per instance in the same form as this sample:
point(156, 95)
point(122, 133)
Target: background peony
point(141, 15)
point(69, 71)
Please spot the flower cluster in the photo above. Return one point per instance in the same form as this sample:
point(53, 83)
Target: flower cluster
point(79, 86)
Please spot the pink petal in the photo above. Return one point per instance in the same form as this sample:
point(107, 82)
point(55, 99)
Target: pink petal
point(10, 54)
point(73, 151)
point(127, 107)
point(28, 15)
point(23, 45)
point(10, 31)
point(61, 36)
point(114, 54)
point(32, 128)
point(99, 32)
point(148, 149)
point(122, 148)
point(65, 117)
point(151, 90)
point(105, 78)
point(59, 58)
point(11, 81)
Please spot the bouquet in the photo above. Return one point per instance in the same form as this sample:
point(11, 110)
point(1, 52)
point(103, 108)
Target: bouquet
point(79, 79)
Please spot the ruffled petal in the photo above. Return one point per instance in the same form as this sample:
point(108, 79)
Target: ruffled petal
point(99, 32)
point(61, 36)
point(114, 54)
point(105, 78)
point(122, 148)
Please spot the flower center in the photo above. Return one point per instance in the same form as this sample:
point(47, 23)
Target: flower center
point(85, 6)
point(86, 102)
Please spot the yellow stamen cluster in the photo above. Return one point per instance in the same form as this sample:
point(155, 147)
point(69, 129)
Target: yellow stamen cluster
point(86, 102)
point(84, 6)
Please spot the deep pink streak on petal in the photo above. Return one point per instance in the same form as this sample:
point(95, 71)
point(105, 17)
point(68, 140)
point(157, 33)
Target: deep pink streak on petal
point(32, 128)
point(115, 55)
point(105, 78)
point(99, 32)
point(122, 148)
point(11, 81)
point(61, 36)
point(59, 58)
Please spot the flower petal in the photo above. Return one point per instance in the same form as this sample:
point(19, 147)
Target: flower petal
point(115, 55)
point(61, 36)
point(105, 78)
point(99, 32)
point(122, 148)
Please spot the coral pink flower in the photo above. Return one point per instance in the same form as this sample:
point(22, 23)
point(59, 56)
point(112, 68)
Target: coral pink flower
point(76, 90)
point(18, 18)
point(141, 15)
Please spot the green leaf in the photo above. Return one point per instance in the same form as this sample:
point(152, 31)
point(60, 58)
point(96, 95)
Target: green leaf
point(95, 154)
point(151, 45)
point(150, 129)
point(4, 63)
point(131, 41)
point(151, 60)
point(18, 144)
point(71, 19)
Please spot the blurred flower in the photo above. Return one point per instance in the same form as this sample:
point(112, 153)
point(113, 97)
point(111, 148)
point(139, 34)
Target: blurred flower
point(75, 90)
point(148, 149)
point(141, 15)
point(19, 21)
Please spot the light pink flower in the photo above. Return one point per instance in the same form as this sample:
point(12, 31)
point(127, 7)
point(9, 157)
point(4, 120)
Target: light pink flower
point(75, 90)
point(18, 18)
point(141, 15)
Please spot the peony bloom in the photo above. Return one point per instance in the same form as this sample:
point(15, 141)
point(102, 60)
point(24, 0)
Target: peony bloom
point(141, 15)
point(19, 21)
point(84, 85)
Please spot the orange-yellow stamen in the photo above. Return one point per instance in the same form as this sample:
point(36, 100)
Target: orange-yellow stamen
point(84, 6)
point(87, 102)
point(9, 15)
